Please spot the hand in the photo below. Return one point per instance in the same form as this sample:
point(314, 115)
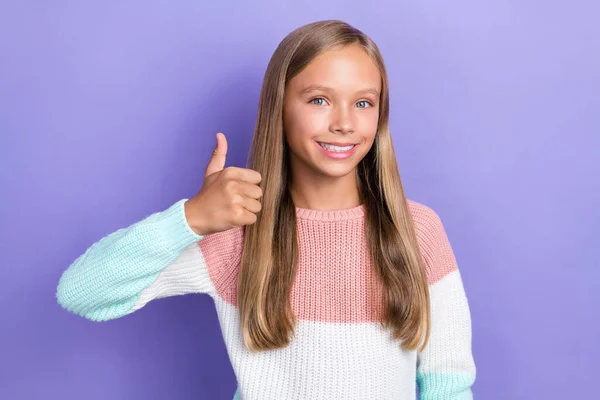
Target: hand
point(228, 198)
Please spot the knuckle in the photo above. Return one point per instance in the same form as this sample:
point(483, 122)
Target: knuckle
point(238, 212)
point(236, 198)
point(231, 186)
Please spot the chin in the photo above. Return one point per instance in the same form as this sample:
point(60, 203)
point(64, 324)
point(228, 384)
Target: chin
point(337, 172)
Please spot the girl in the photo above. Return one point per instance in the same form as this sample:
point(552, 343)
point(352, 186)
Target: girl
point(328, 282)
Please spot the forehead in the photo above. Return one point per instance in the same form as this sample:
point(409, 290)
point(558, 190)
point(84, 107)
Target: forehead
point(348, 68)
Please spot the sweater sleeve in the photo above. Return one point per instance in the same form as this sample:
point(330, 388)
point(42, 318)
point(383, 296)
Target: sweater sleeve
point(445, 368)
point(156, 257)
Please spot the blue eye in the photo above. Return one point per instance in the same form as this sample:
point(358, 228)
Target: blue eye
point(317, 99)
point(366, 104)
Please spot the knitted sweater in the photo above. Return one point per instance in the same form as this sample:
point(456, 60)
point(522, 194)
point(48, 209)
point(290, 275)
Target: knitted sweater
point(339, 350)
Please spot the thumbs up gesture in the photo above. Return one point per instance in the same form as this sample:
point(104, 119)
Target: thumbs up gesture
point(228, 198)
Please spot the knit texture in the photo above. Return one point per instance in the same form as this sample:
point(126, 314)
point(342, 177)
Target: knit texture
point(339, 349)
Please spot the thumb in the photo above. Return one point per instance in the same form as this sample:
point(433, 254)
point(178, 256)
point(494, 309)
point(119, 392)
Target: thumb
point(217, 161)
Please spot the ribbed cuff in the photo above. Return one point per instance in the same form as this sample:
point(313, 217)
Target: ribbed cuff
point(176, 233)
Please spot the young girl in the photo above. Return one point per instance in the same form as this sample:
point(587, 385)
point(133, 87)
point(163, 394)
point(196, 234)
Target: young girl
point(328, 282)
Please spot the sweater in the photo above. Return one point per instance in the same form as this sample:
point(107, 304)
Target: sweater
point(339, 349)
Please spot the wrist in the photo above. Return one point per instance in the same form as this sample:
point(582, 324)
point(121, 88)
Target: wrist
point(193, 220)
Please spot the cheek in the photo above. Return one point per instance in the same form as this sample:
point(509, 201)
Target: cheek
point(367, 124)
point(302, 123)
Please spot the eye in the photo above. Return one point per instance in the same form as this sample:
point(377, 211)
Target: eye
point(364, 104)
point(318, 101)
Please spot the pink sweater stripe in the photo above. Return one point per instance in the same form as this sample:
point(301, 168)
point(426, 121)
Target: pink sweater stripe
point(336, 281)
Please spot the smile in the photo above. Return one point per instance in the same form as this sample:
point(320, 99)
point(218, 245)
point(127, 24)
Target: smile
point(336, 148)
point(338, 151)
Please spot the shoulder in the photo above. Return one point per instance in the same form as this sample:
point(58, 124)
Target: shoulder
point(223, 244)
point(426, 221)
point(433, 242)
point(222, 254)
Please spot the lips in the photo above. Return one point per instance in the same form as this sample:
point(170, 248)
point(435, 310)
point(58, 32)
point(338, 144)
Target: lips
point(335, 148)
point(337, 155)
point(339, 144)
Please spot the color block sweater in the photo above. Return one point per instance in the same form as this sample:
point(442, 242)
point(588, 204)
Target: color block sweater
point(339, 349)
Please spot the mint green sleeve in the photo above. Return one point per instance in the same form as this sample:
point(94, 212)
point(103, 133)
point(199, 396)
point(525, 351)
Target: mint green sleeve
point(156, 257)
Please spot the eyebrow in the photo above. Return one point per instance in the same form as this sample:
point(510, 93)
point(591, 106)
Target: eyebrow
point(314, 88)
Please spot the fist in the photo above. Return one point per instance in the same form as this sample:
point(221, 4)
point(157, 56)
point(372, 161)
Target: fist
point(229, 197)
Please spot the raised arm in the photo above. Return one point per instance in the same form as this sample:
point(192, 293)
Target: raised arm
point(183, 249)
point(156, 257)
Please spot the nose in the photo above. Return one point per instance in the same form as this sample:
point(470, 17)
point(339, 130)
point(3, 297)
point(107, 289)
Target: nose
point(341, 121)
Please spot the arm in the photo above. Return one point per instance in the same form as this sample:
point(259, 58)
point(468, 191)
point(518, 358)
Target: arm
point(445, 368)
point(156, 257)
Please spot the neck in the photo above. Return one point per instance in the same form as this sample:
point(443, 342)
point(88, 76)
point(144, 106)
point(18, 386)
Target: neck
point(325, 193)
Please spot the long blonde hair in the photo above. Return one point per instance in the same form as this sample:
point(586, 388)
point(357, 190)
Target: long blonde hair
point(270, 251)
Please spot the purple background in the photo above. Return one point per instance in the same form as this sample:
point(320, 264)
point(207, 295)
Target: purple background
point(108, 113)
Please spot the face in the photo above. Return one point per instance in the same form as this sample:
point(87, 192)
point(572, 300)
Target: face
point(331, 111)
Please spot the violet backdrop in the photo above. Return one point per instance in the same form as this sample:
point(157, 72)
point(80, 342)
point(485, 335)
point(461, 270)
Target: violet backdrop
point(108, 112)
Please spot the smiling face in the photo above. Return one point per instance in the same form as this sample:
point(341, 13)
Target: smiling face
point(331, 111)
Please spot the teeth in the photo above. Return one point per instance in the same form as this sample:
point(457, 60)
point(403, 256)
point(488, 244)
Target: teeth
point(335, 148)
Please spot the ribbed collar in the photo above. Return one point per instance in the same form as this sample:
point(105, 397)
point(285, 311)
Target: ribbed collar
point(331, 215)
